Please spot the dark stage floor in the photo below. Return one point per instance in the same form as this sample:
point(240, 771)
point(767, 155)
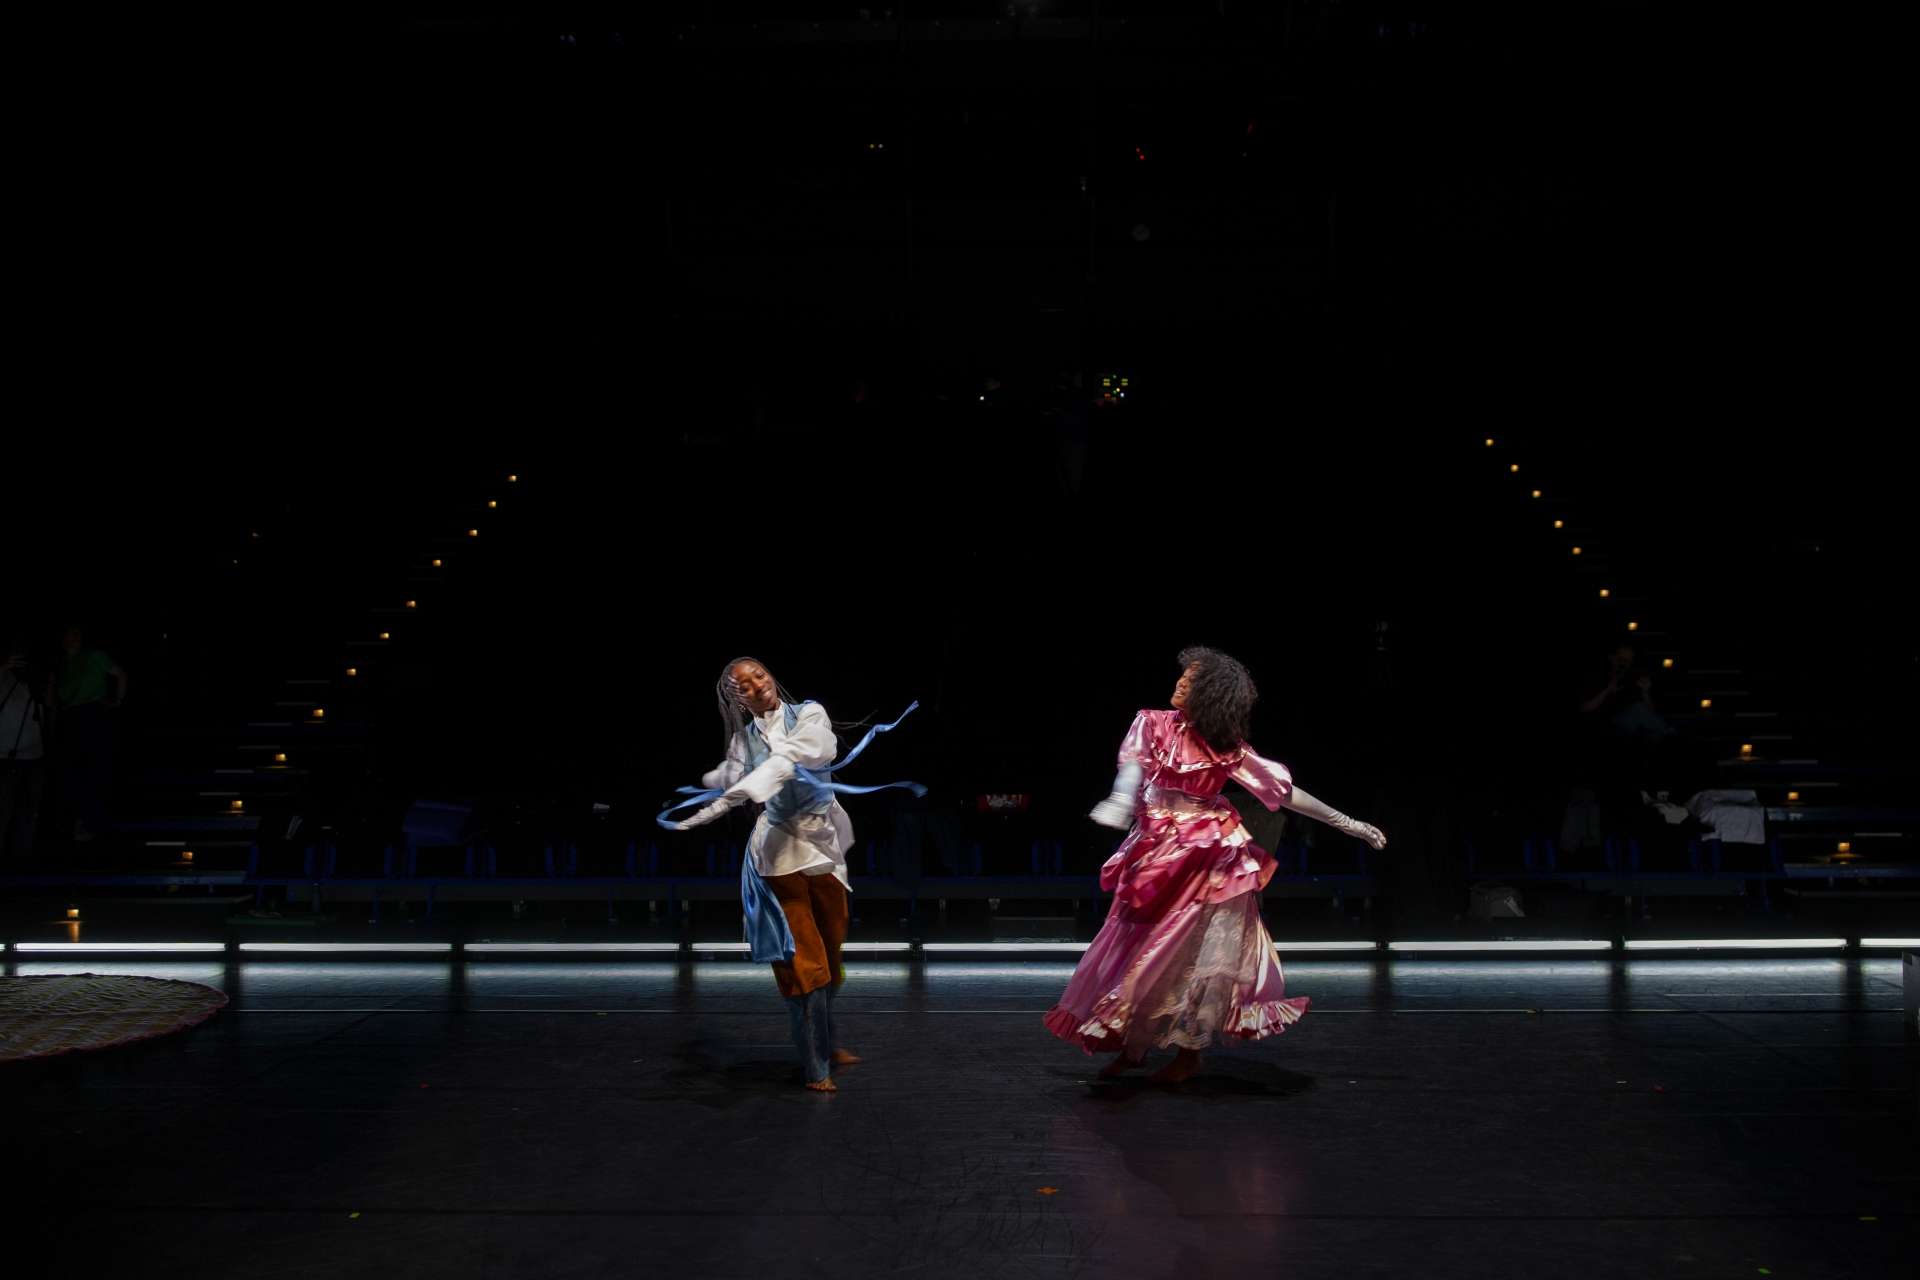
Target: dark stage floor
point(1548, 1118)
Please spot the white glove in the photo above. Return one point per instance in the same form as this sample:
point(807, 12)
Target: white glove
point(1302, 803)
point(1375, 838)
point(717, 809)
point(1115, 811)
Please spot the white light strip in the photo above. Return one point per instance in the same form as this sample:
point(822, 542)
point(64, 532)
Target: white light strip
point(1735, 944)
point(1507, 944)
point(345, 947)
point(101, 947)
point(866, 948)
point(492, 948)
point(1050, 948)
point(1326, 946)
point(1036, 948)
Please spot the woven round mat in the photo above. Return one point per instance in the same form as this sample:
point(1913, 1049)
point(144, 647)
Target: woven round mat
point(68, 1012)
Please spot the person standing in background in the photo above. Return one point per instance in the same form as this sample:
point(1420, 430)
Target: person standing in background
point(23, 768)
point(88, 688)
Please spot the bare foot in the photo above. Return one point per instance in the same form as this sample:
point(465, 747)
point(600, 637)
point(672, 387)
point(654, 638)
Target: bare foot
point(1120, 1065)
point(846, 1058)
point(824, 1084)
point(1183, 1067)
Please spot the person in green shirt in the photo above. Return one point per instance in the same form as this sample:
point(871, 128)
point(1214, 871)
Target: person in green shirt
point(88, 687)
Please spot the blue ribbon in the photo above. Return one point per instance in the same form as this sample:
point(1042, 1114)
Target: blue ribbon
point(872, 733)
point(698, 797)
point(695, 796)
point(768, 936)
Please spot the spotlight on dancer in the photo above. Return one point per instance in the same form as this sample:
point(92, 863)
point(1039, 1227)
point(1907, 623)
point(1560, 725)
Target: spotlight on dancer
point(793, 880)
point(1184, 958)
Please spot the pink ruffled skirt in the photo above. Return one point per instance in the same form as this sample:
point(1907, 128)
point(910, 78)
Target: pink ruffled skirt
point(1175, 964)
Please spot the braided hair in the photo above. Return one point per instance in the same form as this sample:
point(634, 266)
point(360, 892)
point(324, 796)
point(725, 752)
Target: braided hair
point(733, 712)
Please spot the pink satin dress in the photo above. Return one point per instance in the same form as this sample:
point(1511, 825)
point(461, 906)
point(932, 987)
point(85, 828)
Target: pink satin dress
point(1183, 957)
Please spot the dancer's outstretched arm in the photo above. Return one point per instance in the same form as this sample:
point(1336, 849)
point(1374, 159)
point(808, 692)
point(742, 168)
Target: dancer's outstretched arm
point(1300, 802)
point(1116, 810)
point(1271, 784)
point(809, 745)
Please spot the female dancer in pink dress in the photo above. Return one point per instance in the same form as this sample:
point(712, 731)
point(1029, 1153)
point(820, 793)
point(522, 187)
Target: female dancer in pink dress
point(1184, 955)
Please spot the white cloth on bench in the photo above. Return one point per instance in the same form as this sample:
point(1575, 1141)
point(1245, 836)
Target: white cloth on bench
point(1734, 817)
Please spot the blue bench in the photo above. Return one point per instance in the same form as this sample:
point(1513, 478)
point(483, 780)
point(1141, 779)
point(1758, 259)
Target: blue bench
point(1623, 874)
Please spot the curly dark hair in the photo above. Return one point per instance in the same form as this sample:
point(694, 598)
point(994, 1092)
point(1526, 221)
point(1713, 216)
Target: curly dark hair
point(1220, 699)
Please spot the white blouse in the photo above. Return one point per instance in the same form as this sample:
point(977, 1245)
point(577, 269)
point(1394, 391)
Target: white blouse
point(814, 843)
